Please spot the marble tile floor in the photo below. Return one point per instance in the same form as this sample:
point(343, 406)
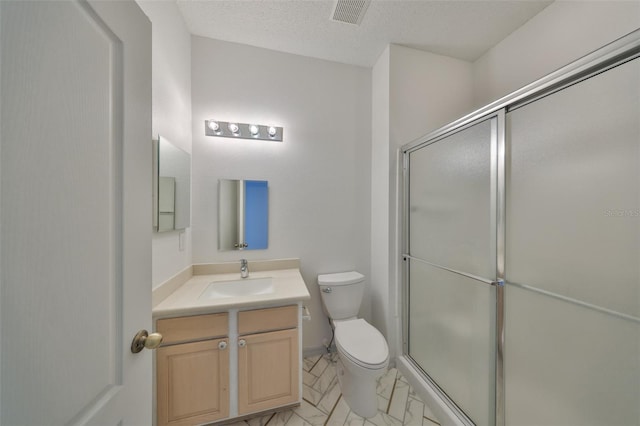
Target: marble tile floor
point(323, 405)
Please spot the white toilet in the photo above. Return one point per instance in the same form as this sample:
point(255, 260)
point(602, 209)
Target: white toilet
point(362, 349)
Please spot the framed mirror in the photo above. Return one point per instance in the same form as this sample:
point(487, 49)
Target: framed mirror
point(243, 214)
point(171, 187)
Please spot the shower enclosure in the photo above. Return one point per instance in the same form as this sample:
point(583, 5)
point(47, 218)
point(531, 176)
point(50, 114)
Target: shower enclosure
point(521, 276)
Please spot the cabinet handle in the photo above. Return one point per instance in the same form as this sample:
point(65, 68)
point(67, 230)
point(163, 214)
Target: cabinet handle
point(222, 345)
point(242, 343)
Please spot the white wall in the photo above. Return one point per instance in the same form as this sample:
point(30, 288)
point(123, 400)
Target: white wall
point(380, 192)
point(414, 92)
point(427, 91)
point(563, 32)
point(171, 85)
point(319, 203)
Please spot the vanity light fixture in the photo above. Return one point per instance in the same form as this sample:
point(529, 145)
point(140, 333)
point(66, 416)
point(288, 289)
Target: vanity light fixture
point(243, 130)
point(213, 125)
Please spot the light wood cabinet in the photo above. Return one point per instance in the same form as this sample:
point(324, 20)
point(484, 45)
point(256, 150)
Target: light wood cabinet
point(192, 379)
point(269, 319)
point(194, 370)
point(268, 370)
point(189, 329)
point(268, 358)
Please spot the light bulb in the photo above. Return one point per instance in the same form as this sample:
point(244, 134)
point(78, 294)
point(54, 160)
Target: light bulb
point(233, 128)
point(272, 131)
point(254, 129)
point(213, 125)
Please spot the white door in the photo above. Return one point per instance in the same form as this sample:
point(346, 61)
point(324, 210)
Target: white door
point(75, 212)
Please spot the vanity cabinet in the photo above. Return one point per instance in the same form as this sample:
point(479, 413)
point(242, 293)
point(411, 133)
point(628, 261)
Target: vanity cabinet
point(192, 370)
point(197, 365)
point(268, 358)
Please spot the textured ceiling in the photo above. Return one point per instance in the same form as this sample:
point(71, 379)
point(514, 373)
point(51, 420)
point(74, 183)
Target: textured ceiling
point(460, 29)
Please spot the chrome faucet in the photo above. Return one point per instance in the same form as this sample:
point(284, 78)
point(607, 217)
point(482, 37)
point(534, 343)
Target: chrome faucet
point(244, 268)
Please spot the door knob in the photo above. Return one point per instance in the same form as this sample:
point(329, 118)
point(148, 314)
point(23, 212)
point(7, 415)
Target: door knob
point(145, 340)
point(242, 343)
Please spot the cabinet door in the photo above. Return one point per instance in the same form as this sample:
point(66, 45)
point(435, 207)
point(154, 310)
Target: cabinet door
point(268, 370)
point(193, 383)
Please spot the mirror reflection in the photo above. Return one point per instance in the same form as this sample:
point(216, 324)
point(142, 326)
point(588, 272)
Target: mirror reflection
point(172, 187)
point(243, 212)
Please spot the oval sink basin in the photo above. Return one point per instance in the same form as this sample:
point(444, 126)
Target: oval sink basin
point(237, 288)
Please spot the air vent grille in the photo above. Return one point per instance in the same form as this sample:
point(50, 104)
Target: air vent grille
point(350, 11)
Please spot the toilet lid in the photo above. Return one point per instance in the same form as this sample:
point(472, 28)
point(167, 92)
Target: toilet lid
point(362, 342)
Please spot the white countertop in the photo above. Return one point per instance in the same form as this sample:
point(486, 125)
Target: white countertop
point(288, 286)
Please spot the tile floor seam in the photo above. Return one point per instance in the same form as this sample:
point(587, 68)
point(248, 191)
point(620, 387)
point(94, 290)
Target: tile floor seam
point(317, 385)
point(406, 403)
point(394, 417)
point(305, 399)
point(322, 372)
point(391, 396)
point(314, 364)
point(431, 420)
point(326, 394)
point(300, 417)
point(332, 410)
point(315, 378)
point(270, 418)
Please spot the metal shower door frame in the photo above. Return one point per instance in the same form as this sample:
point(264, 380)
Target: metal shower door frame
point(497, 195)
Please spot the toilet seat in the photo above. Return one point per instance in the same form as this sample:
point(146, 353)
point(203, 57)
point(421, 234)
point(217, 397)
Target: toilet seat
point(362, 343)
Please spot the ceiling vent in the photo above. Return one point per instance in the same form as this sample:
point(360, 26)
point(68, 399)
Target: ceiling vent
point(350, 11)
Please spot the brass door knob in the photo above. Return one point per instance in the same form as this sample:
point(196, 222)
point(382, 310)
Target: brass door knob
point(145, 340)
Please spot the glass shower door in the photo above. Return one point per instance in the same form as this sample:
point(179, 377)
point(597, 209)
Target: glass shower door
point(522, 248)
point(573, 253)
point(452, 265)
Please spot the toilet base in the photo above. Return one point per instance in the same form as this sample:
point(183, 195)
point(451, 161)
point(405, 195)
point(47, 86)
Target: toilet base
point(359, 387)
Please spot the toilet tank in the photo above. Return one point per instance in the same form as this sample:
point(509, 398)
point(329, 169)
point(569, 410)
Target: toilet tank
point(342, 293)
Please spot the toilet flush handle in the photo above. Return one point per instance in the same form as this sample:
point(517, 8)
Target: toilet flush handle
point(326, 290)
